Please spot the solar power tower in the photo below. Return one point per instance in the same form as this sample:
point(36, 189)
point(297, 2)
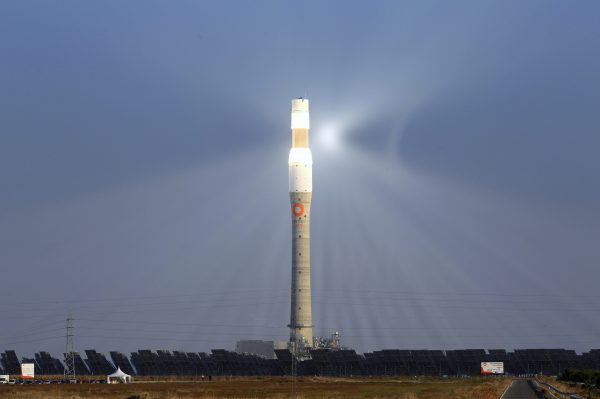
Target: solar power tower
point(300, 190)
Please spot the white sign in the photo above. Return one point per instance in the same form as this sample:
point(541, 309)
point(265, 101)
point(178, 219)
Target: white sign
point(27, 370)
point(492, 368)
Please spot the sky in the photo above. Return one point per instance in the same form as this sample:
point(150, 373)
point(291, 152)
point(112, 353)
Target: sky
point(143, 172)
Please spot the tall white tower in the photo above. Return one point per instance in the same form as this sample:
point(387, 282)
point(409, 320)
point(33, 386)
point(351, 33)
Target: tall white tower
point(300, 187)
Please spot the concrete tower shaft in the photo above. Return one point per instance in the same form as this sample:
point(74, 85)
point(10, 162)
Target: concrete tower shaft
point(300, 188)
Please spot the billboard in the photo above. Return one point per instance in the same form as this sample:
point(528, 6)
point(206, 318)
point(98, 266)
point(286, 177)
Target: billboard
point(27, 370)
point(492, 367)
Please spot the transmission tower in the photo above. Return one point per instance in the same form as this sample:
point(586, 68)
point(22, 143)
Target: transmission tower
point(70, 351)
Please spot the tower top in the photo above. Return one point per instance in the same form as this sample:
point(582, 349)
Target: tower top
point(300, 116)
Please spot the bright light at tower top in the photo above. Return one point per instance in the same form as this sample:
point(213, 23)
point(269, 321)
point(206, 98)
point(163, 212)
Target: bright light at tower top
point(300, 116)
point(300, 152)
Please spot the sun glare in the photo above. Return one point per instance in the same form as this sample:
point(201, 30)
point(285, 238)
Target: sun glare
point(329, 138)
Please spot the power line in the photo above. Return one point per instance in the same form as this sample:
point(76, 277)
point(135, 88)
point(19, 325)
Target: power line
point(154, 308)
point(37, 332)
point(163, 339)
point(442, 334)
point(30, 340)
point(132, 298)
point(431, 296)
point(178, 324)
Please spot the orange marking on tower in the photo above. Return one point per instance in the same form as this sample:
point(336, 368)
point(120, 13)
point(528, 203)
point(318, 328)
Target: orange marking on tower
point(298, 209)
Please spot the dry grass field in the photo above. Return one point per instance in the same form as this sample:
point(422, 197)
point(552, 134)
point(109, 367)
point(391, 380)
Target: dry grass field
point(271, 387)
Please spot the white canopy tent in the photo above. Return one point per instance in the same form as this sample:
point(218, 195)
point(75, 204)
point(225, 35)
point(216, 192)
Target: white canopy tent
point(118, 376)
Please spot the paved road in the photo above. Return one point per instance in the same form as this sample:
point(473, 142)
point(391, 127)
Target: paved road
point(520, 389)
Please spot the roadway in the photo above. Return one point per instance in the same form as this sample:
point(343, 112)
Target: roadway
point(520, 389)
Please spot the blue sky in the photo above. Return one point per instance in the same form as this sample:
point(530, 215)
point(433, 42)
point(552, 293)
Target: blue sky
point(143, 163)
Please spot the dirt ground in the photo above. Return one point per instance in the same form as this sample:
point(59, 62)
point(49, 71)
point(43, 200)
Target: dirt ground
point(271, 387)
